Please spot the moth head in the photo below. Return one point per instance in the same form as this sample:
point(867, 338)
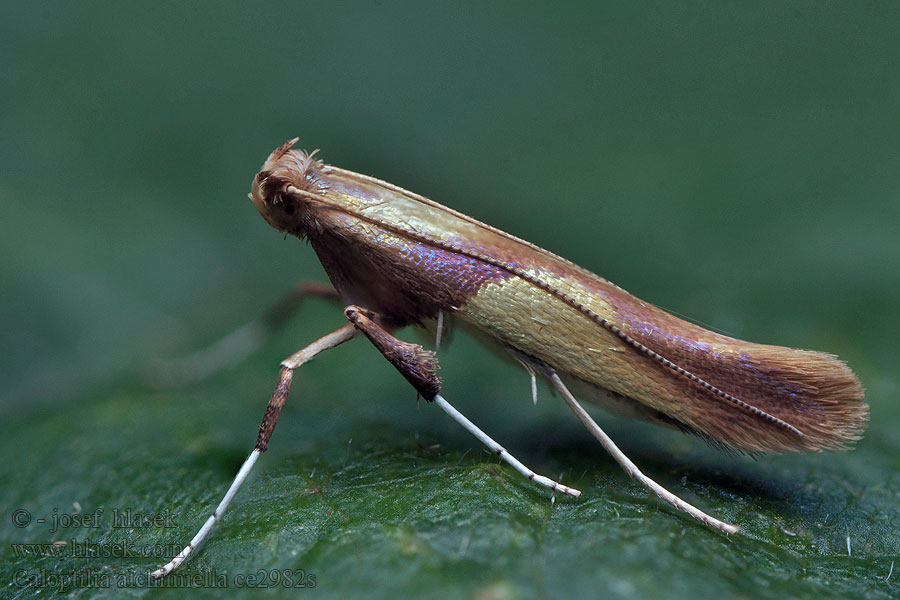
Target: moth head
point(281, 189)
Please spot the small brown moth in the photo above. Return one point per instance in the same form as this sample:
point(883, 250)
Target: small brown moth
point(396, 259)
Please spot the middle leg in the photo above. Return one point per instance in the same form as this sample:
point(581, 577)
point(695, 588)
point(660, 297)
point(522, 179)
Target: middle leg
point(419, 367)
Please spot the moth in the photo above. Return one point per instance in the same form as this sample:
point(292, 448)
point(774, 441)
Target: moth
point(396, 259)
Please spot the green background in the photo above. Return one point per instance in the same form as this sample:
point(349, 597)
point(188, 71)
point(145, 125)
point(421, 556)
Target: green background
point(740, 165)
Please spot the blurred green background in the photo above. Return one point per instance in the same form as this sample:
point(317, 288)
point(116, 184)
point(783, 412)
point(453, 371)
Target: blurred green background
point(736, 164)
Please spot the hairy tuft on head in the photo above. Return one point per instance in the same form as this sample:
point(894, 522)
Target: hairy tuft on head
point(286, 170)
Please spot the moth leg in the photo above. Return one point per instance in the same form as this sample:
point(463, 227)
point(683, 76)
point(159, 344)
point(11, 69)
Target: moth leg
point(240, 343)
point(439, 330)
point(273, 410)
point(419, 367)
point(501, 452)
point(631, 468)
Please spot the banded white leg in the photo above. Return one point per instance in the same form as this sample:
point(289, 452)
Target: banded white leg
point(501, 451)
point(211, 521)
point(631, 468)
point(419, 367)
point(273, 410)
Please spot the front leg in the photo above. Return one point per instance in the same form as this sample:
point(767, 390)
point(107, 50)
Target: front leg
point(270, 418)
point(419, 367)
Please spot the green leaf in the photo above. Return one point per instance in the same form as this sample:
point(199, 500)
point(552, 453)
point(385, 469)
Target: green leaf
point(737, 163)
point(368, 493)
